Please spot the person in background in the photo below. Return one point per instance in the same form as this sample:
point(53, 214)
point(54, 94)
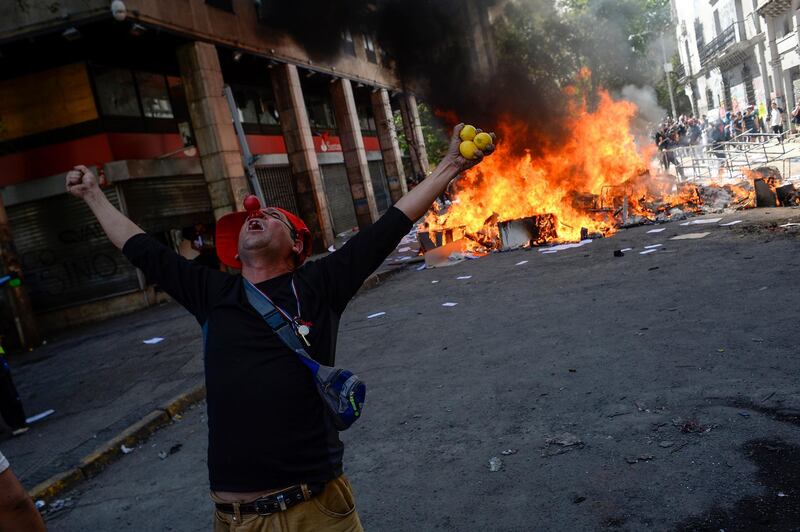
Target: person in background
point(776, 120)
point(796, 116)
point(17, 511)
point(10, 403)
point(749, 118)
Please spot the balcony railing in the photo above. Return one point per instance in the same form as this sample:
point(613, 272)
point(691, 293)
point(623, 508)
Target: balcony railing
point(720, 43)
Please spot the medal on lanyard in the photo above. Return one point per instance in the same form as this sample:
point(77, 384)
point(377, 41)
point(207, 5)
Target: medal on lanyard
point(300, 326)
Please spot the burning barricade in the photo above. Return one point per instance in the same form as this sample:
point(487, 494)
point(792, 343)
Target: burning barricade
point(588, 186)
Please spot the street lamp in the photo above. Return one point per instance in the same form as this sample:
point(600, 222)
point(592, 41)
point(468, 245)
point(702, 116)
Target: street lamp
point(667, 68)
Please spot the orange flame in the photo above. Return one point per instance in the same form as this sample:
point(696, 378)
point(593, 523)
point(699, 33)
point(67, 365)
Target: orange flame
point(580, 181)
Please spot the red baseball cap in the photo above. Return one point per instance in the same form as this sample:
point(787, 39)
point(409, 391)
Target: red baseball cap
point(229, 226)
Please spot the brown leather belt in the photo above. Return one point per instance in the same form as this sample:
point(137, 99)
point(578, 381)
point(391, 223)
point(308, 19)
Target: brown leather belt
point(280, 501)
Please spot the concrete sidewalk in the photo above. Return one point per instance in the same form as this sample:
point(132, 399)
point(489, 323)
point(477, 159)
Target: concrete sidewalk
point(108, 388)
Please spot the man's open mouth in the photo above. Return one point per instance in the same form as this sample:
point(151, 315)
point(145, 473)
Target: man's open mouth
point(255, 224)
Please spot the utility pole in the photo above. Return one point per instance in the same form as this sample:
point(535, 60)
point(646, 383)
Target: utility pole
point(24, 317)
point(667, 72)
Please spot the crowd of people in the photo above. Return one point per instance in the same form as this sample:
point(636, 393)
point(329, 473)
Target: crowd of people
point(750, 125)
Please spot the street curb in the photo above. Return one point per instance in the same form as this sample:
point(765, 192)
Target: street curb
point(110, 451)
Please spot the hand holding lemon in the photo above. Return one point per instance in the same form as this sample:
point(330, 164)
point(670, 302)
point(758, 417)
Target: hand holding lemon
point(473, 142)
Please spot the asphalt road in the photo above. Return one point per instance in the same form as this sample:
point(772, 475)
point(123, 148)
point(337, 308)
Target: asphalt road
point(642, 392)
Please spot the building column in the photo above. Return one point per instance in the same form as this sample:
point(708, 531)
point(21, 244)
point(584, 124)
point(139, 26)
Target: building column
point(390, 149)
point(311, 199)
point(214, 135)
point(355, 156)
point(413, 130)
point(21, 308)
point(762, 65)
point(775, 58)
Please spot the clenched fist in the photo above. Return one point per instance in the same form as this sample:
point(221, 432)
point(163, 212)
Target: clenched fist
point(81, 182)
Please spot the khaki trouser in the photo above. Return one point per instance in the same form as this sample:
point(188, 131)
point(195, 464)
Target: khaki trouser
point(334, 509)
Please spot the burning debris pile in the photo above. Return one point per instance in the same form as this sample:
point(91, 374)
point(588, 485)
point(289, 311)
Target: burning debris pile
point(589, 186)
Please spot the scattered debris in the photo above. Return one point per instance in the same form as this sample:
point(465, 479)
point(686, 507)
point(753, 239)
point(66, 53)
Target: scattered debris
point(520, 263)
point(647, 251)
point(331, 248)
point(495, 464)
point(449, 304)
point(626, 249)
point(782, 494)
point(40, 504)
point(463, 277)
point(666, 443)
point(58, 504)
point(579, 499)
point(162, 455)
point(730, 223)
point(657, 230)
point(434, 282)
point(40, 416)
point(744, 414)
point(690, 236)
point(403, 250)
point(653, 246)
point(509, 452)
point(126, 450)
point(175, 448)
point(700, 222)
point(376, 315)
point(421, 267)
point(561, 443)
point(692, 426)
point(154, 340)
point(640, 458)
point(790, 224)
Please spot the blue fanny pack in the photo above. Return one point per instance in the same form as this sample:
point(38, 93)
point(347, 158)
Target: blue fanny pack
point(341, 391)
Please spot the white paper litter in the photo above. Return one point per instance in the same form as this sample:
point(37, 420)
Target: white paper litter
point(331, 248)
point(626, 249)
point(657, 230)
point(421, 267)
point(154, 340)
point(434, 282)
point(39, 416)
point(549, 252)
point(125, 450)
point(520, 263)
point(645, 252)
point(559, 247)
point(690, 236)
point(653, 246)
point(698, 222)
point(463, 277)
point(403, 250)
point(448, 304)
point(377, 314)
point(789, 224)
point(406, 257)
point(730, 223)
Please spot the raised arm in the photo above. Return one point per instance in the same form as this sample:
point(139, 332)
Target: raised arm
point(82, 184)
point(420, 198)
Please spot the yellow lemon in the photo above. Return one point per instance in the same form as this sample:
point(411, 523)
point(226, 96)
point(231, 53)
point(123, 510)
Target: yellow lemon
point(467, 149)
point(482, 140)
point(468, 132)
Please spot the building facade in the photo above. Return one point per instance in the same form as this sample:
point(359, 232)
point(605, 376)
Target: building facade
point(136, 90)
point(737, 52)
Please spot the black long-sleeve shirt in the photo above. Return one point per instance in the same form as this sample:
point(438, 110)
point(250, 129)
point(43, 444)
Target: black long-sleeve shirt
point(267, 424)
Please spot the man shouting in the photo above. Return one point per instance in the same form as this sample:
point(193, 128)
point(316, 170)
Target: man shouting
point(274, 459)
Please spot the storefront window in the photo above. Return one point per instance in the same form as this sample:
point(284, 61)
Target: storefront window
point(369, 47)
point(320, 112)
point(247, 105)
point(347, 43)
point(154, 95)
point(116, 92)
point(366, 120)
point(267, 110)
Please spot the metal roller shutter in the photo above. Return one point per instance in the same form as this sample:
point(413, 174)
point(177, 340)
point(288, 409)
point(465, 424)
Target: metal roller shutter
point(66, 257)
point(340, 200)
point(165, 203)
point(278, 187)
point(379, 185)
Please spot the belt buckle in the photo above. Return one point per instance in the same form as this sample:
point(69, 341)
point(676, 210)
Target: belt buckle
point(261, 507)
